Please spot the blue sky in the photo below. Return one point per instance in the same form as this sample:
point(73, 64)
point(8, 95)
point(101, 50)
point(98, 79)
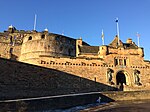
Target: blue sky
point(81, 18)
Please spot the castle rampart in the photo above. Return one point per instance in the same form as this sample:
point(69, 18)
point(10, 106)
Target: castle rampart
point(117, 65)
point(96, 70)
point(38, 44)
point(20, 80)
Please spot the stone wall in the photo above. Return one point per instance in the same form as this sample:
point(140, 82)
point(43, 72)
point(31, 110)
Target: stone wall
point(57, 53)
point(10, 52)
point(52, 103)
point(96, 70)
point(90, 69)
point(10, 45)
point(72, 100)
point(128, 95)
point(20, 80)
point(37, 44)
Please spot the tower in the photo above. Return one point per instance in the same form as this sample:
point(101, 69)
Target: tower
point(103, 51)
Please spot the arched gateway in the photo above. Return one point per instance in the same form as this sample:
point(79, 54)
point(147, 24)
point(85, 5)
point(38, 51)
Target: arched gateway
point(122, 79)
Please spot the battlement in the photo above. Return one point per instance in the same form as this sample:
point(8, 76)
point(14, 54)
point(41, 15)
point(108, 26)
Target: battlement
point(32, 44)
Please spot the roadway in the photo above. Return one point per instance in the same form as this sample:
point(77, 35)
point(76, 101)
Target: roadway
point(124, 106)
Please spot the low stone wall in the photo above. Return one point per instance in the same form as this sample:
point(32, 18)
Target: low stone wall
point(70, 100)
point(53, 102)
point(128, 95)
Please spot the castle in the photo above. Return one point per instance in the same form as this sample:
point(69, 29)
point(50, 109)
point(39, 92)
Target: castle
point(119, 65)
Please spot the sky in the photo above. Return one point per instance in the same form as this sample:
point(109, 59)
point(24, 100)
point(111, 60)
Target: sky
point(81, 18)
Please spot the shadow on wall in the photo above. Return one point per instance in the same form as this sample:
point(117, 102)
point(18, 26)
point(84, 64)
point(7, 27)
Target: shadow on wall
point(13, 57)
point(20, 80)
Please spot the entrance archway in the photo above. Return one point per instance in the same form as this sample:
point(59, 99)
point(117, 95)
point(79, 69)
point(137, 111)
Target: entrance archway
point(121, 80)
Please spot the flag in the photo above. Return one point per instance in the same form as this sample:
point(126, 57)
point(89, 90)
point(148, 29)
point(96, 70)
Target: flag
point(138, 35)
point(116, 20)
point(102, 35)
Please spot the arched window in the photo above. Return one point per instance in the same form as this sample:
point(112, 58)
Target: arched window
point(30, 38)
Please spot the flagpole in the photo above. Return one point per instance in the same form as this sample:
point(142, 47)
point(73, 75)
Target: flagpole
point(118, 31)
point(138, 42)
point(102, 37)
point(138, 38)
point(35, 22)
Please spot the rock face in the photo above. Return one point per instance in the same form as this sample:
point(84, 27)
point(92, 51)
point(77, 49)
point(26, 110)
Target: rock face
point(70, 64)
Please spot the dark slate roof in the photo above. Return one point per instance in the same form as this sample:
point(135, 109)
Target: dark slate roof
point(130, 46)
point(147, 61)
point(66, 37)
point(89, 49)
point(114, 44)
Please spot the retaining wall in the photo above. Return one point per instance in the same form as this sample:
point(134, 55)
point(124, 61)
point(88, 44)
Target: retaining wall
point(20, 80)
point(70, 100)
point(128, 95)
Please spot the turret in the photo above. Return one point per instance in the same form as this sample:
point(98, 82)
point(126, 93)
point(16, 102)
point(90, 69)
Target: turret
point(129, 41)
point(141, 52)
point(45, 30)
point(78, 43)
point(36, 44)
point(103, 51)
point(11, 29)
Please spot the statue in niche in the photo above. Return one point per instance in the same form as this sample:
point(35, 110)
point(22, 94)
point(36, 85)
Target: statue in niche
point(137, 77)
point(110, 76)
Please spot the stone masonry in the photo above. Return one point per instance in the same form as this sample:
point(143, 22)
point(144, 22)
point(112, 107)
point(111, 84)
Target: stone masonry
point(117, 65)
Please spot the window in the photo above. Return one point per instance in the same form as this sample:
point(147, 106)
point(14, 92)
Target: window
point(49, 46)
point(125, 62)
point(116, 62)
point(43, 37)
point(30, 38)
point(120, 61)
